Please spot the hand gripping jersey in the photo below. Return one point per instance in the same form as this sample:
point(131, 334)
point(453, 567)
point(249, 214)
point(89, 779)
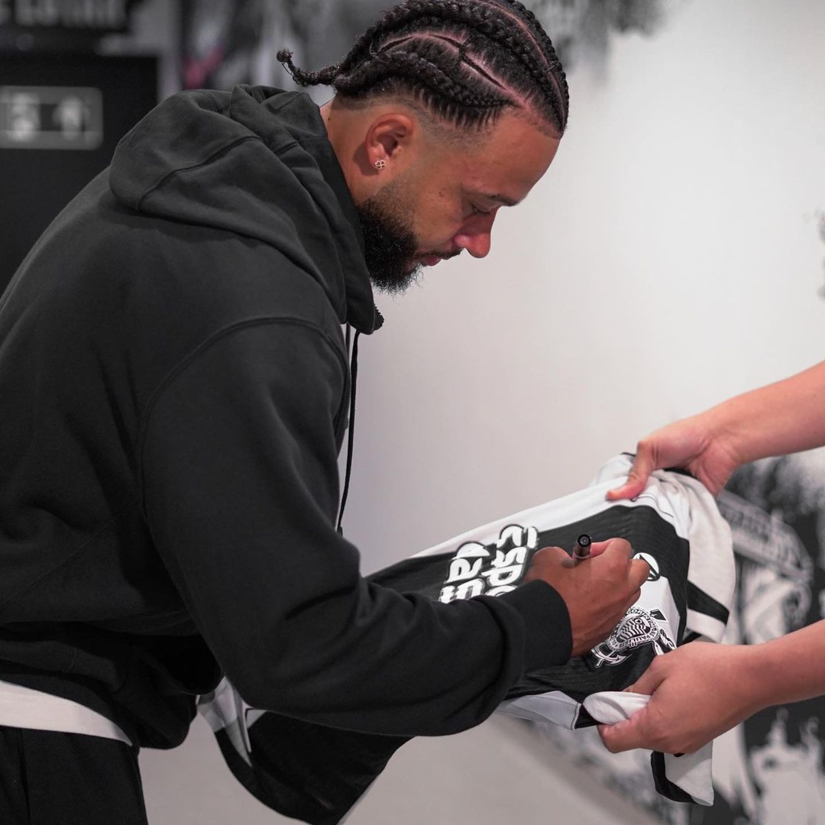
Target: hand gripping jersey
point(317, 774)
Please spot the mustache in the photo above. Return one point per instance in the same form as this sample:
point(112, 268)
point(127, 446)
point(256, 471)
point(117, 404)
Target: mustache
point(445, 256)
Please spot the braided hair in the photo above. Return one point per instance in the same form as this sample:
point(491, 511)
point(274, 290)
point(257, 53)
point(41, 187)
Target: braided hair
point(464, 61)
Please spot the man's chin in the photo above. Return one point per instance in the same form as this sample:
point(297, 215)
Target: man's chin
point(398, 282)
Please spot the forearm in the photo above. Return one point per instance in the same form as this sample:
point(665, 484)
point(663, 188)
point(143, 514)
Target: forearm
point(790, 668)
point(780, 418)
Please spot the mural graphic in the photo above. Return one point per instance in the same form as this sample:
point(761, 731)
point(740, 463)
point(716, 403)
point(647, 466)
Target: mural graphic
point(770, 769)
point(234, 41)
point(221, 42)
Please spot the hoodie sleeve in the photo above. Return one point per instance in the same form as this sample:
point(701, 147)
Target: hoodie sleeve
point(240, 485)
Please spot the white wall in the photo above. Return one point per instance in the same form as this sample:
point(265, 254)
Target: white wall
point(663, 263)
point(669, 259)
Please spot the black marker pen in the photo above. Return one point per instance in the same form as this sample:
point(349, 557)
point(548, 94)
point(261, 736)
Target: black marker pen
point(581, 550)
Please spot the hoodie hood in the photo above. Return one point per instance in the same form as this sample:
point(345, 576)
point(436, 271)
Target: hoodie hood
point(255, 161)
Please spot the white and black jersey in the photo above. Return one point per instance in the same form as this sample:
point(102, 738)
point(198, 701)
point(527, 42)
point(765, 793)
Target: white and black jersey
point(317, 773)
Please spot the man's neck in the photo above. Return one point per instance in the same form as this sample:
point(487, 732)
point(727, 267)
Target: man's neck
point(336, 124)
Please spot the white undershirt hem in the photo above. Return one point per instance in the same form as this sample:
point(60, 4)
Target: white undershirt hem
point(23, 707)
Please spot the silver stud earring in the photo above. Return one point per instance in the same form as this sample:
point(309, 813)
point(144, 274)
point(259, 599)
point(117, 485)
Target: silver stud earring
point(380, 164)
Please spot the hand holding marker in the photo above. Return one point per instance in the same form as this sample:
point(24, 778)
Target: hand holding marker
point(581, 551)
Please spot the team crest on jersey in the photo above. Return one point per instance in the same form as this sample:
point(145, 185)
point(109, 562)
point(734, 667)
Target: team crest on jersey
point(638, 628)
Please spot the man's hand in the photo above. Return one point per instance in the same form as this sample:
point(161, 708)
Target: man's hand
point(597, 591)
point(697, 692)
point(691, 444)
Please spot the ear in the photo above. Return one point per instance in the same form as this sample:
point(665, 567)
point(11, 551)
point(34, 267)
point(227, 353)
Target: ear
point(392, 137)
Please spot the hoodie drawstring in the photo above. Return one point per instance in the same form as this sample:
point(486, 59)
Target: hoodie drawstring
point(351, 437)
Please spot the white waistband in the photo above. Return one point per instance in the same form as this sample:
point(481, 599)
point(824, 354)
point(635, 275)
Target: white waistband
point(22, 707)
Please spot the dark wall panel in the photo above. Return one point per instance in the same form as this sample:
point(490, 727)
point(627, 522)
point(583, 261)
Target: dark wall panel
point(61, 117)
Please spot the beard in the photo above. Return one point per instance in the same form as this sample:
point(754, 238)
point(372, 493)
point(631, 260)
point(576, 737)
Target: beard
point(390, 243)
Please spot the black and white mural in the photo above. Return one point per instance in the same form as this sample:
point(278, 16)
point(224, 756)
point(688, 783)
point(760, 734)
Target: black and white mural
point(769, 770)
point(234, 41)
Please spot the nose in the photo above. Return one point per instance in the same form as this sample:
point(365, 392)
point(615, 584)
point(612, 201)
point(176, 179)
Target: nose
point(475, 236)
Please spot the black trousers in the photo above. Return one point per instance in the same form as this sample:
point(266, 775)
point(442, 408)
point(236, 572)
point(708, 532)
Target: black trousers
point(51, 778)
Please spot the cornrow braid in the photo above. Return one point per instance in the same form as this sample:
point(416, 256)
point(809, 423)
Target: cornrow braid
point(559, 78)
point(465, 61)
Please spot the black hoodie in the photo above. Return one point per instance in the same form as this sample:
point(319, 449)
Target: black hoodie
point(173, 390)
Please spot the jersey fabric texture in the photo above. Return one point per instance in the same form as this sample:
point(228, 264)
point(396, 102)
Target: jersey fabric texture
point(174, 387)
point(316, 773)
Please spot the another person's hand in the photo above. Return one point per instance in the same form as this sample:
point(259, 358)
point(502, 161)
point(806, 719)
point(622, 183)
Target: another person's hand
point(597, 591)
point(698, 691)
point(691, 444)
